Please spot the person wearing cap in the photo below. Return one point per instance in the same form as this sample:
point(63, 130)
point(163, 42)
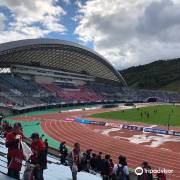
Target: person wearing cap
point(39, 156)
point(15, 153)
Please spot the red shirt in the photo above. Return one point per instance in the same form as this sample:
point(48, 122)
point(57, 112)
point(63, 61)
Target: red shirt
point(12, 144)
point(37, 148)
point(14, 150)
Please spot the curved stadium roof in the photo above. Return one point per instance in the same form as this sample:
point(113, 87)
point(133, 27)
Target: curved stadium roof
point(59, 55)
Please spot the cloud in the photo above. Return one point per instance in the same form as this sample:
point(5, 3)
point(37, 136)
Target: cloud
point(131, 32)
point(31, 19)
point(2, 21)
point(67, 2)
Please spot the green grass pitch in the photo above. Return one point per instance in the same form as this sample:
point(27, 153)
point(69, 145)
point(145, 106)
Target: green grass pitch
point(163, 114)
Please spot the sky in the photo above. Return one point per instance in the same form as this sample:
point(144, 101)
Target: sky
point(126, 32)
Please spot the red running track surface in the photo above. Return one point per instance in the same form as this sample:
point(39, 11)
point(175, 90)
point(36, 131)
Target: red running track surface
point(75, 132)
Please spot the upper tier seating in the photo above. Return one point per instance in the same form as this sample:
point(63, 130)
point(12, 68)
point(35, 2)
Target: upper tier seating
point(72, 93)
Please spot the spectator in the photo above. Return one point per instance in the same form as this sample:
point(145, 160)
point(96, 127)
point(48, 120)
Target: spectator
point(61, 146)
point(88, 157)
point(46, 144)
point(42, 136)
point(6, 128)
point(63, 153)
point(146, 174)
point(105, 172)
point(161, 176)
point(15, 153)
point(111, 168)
point(83, 165)
point(120, 170)
point(74, 160)
point(93, 162)
point(46, 149)
point(39, 156)
point(99, 162)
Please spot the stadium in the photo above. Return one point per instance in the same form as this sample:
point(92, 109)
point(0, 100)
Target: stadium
point(67, 92)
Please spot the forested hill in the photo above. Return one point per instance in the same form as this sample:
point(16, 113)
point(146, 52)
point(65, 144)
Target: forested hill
point(162, 74)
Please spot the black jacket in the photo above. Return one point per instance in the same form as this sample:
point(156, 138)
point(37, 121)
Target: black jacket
point(105, 167)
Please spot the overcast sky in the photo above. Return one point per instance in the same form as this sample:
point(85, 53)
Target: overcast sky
point(126, 32)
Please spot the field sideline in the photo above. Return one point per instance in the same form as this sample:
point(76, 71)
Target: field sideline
point(158, 114)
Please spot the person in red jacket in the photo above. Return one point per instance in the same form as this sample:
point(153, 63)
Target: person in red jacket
point(39, 156)
point(15, 153)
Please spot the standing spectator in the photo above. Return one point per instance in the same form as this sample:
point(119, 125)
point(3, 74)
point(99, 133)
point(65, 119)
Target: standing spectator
point(46, 150)
point(63, 152)
point(15, 153)
point(7, 128)
point(39, 156)
point(1, 118)
point(121, 170)
point(42, 136)
point(61, 146)
point(105, 172)
point(146, 174)
point(93, 162)
point(46, 144)
point(74, 160)
point(84, 163)
point(99, 162)
point(161, 176)
point(88, 157)
point(111, 168)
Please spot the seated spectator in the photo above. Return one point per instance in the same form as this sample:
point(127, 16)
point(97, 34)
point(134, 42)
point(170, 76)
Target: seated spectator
point(74, 160)
point(146, 174)
point(120, 170)
point(105, 172)
point(15, 153)
point(39, 156)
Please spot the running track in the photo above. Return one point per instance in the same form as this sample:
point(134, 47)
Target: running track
point(75, 132)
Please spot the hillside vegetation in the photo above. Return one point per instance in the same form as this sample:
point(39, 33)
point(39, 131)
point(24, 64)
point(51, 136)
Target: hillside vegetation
point(161, 75)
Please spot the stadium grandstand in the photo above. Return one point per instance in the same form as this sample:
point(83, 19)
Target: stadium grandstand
point(41, 72)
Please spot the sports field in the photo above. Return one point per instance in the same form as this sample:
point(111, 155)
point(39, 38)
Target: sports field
point(159, 115)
